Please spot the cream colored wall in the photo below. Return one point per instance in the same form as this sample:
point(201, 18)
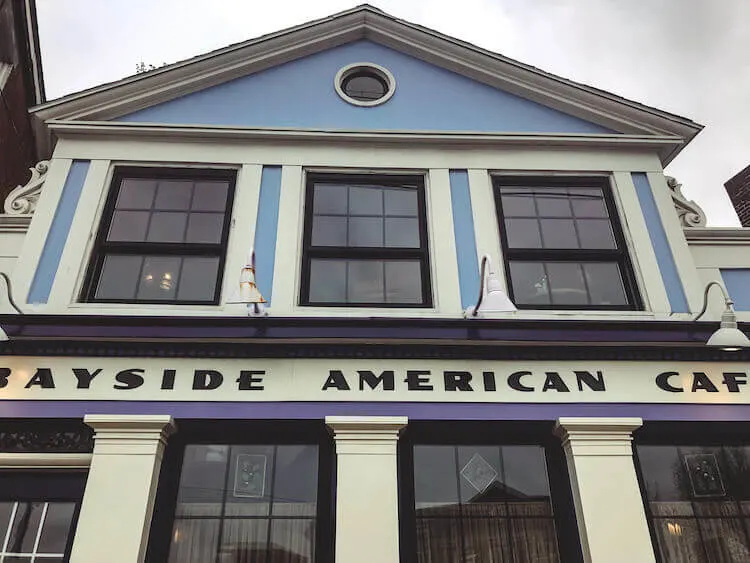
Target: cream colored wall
point(296, 158)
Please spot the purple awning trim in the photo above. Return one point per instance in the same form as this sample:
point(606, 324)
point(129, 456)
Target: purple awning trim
point(415, 411)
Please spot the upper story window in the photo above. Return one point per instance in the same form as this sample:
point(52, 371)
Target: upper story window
point(365, 242)
point(563, 245)
point(162, 237)
point(365, 84)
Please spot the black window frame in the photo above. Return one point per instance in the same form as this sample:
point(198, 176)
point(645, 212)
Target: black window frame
point(488, 433)
point(238, 433)
point(685, 434)
point(102, 248)
point(310, 252)
point(619, 255)
point(46, 485)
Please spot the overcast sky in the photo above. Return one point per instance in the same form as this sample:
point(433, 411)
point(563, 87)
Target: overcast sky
point(689, 57)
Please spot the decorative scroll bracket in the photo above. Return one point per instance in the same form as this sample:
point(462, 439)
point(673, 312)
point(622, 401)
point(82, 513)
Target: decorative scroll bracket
point(689, 212)
point(22, 200)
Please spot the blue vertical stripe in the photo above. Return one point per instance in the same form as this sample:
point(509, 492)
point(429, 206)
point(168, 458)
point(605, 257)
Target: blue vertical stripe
point(660, 242)
point(463, 231)
point(57, 236)
point(266, 227)
point(737, 282)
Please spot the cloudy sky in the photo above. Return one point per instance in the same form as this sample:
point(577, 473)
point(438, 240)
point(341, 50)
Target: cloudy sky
point(688, 57)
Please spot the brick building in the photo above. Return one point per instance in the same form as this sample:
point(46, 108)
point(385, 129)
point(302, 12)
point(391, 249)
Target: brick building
point(738, 188)
point(21, 86)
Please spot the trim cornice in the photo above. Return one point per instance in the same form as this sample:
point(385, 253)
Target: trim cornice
point(171, 133)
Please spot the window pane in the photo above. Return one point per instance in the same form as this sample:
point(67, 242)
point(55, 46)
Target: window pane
point(553, 202)
point(365, 282)
point(724, 539)
point(292, 541)
point(205, 228)
point(439, 541)
point(159, 278)
point(210, 196)
point(198, 278)
point(588, 202)
point(525, 471)
point(401, 201)
point(167, 227)
point(402, 232)
point(174, 194)
point(6, 508)
point(479, 475)
point(605, 284)
point(136, 194)
point(518, 205)
point(559, 233)
point(195, 541)
point(679, 540)
point(330, 198)
point(533, 539)
point(56, 528)
point(366, 231)
point(435, 480)
point(403, 282)
point(119, 277)
point(486, 540)
point(662, 473)
point(329, 231)
point(566, 282)
point(25, 526)
point(365, 200)
point(295, 482)
point(128, 226)
point(596, 233)
point(244, 540)
point(204, 470)
point(328, 281)
point(523, 233)
point(529, 282)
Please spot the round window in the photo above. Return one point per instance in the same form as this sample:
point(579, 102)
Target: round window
point(365, 84)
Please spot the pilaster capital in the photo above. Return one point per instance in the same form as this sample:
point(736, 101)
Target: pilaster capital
point(366, 435)
point(130, 434)
point(597, 436)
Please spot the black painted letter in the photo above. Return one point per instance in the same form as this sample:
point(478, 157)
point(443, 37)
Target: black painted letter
point(514, 382)
point(701, 381)
point(733, 380)
point(457, 381)
point(207, 379)
point(42, 378)
point(387, 378)
point(415, 382)
point(247, 381)
point(336, 380)
point(593, 382)
point(85, 377)
point(662, 382)
point(129, 379)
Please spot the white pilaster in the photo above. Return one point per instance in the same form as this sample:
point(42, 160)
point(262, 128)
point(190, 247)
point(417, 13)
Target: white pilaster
point(118, 502)
point(366, 487)
point(611, 519)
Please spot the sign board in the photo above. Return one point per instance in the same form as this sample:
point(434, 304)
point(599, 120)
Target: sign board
point(149, 379)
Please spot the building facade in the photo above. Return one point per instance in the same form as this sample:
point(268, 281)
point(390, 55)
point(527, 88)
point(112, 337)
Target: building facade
point(154, 411)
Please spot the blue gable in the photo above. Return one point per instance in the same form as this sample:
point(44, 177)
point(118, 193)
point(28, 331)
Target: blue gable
point(301, 94)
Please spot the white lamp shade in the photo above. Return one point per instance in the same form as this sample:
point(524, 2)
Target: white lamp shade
point(728, 339)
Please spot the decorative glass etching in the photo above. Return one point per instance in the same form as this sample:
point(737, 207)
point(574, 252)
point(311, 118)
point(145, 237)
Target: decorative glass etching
point(48, 438)
point(479, 473)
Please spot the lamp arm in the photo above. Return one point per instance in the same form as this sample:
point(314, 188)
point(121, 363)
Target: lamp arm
point(727, 300)
point(482, 272)
point(10, 292)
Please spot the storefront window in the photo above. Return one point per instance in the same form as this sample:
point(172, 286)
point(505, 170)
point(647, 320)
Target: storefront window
point(483, 504)
point(698, 502)
point(246, 503)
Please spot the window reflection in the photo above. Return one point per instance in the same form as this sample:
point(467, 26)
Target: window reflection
point(242, 504)
point(698, 499)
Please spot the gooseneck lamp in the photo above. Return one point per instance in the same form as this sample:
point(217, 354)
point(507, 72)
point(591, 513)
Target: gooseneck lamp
point(3, 334)
point(728, 337)
point(492, 298)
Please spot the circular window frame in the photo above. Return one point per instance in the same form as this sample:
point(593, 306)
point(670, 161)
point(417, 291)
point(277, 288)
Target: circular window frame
point(381, 72)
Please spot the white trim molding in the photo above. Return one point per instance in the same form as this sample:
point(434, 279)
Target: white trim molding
point(22, 200)
point(383, 73)
point(44, 461)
